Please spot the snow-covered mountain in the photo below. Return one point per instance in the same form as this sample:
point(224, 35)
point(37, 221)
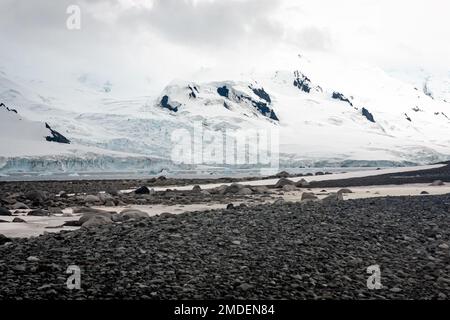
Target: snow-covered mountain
point(327, 112)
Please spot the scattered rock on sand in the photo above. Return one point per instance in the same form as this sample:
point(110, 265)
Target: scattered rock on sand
point(283, 182)
point(18, 220)
point(5, 212)
point(437, 183)
point(308, 196)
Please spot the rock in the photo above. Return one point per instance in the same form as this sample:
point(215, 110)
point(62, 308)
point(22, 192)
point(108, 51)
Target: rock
point(261, 189)
point(38, 213)
point(332, 198)
point(345, 190)
point(84, 210)
point(142, 190)
point(236, 242)
point(308, 196)
point(443, 246)
point(55, 210)
point(302, 183)
point(4, 239)
point(282, 174)
point(105, 197)
point(233, 188)
point(89, 215)
point(437, 183)
point(96, 221)
point(72, 223)
point(113, 192)
point(3, 221)
point(133, 214)
point(20, 206)
point(320, 173)
point(230, 206)
point(245, 191)
point(283, 182)
point(245, 287)
point(279, 201)
point(288, 188)
point(33, 259)
point(5, 212)
point(91, 199)
point(63, 195)
point(36, 196)
point(205, 193)
point(18, 220)
point(196, 188)
point(395, 290)
point(424, 192)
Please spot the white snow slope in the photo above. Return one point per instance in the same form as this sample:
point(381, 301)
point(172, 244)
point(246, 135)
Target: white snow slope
point(383, 121)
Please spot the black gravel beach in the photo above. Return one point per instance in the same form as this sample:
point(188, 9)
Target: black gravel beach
point(309, 250)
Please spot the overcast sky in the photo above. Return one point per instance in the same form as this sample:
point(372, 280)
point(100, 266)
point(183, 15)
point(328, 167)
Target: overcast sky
point(151, 42)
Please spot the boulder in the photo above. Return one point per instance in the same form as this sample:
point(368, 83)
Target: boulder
point(4, 239)
point(96, 221)
point(230, 206)
point(302, 183)
point(283, 182)
point(89, 215)
point(55, 210)
point(5, 212)
point(332, 198)
point(308, 196)
point(424, 192)
point(245, 192)
point(142, 190)
point(133, 214)
point(437, 183)
point(36, 196)
point(105, 197)
point(345, 190)
point(261, 189)
point(20, 206)
point(18, 220)
point(288, 188)
point(233, 188)
point(39, 213)
point(196, 188)
point(282, 174)
point(91, 199)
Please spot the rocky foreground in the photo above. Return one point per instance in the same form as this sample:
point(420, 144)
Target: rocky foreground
point(311, 250)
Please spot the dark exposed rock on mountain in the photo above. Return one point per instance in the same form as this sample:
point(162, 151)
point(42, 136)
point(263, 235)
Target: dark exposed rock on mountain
point(56, 136)
point(260, 92)
point(339, 96)
point(407, 117)
point(239, 97)
point(368, 115)
point(2, 105)
point(223, 91)
point(166, 105)
point(193, 92)
point(302, 82)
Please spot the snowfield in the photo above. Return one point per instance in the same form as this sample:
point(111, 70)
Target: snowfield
point(326, 112)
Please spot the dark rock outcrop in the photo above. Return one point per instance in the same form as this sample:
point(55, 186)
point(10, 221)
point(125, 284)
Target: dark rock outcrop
point(260, 92)
point(368, 115)
point(166, 105)
point(339, 96)
point(56, 136)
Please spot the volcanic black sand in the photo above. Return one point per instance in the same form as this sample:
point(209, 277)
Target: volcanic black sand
point(282, 251)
